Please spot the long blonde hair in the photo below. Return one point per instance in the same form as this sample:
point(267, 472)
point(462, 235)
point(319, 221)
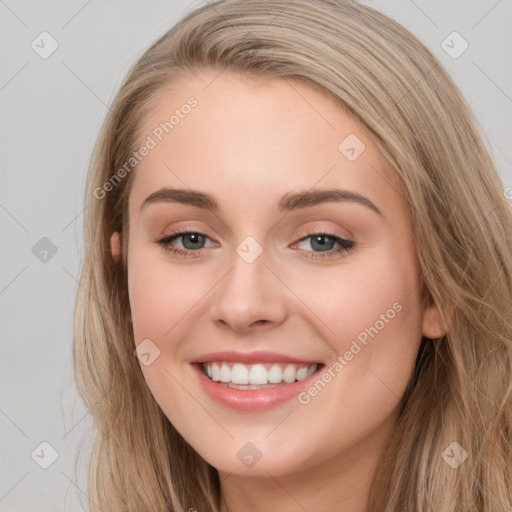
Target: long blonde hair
point(461, 388)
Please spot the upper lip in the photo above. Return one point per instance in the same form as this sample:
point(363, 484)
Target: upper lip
point(250, 358)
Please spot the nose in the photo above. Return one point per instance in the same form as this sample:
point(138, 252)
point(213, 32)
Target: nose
point(249, 297)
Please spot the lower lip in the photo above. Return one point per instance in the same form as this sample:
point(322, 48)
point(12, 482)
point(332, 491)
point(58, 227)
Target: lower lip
point(251, 400)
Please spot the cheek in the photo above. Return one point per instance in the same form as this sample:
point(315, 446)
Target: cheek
point(352, 296)
point(370, 315)
point(373, 313)
point(163, 299)
point(161, 295)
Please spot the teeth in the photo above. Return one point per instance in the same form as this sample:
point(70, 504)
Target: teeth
point(302, 373)
point(215, 372)
point(225, 374)
point(289, 374)
point(252, 376)
point(258, 375)
point(275, 374)
point(239, 374)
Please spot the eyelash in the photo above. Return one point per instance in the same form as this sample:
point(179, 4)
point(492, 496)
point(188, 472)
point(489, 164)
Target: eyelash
point(345, 244)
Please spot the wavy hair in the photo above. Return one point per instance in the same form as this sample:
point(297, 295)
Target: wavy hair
point(460, 390)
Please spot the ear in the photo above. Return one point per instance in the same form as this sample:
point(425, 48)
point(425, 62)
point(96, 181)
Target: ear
point(433, 323)
point(115, 246)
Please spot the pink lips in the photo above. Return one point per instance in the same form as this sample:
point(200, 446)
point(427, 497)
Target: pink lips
point(250, 358)
point(251, 400)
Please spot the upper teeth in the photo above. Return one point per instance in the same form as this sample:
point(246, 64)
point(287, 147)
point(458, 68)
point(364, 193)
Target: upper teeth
point(258, 374)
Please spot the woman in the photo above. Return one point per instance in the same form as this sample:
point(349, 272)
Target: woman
point(297, 287)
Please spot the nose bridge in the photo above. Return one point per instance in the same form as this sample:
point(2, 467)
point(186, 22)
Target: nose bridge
point(249, 292)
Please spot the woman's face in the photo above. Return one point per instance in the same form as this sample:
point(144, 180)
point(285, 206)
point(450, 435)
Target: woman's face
point(299, 259)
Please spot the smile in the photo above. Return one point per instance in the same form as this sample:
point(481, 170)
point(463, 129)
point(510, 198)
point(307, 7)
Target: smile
point(257, 376)
point(253, 382)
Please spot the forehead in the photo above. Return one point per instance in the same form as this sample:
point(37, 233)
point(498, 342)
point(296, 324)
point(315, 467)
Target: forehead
point(250, 141)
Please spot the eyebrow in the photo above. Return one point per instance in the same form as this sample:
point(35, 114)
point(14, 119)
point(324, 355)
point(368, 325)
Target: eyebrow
point(288, 202)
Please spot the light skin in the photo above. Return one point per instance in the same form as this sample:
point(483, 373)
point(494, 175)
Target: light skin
point(249, 143)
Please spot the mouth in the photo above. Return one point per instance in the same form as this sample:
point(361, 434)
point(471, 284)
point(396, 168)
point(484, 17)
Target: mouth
point(254, 381)
point(252, 377)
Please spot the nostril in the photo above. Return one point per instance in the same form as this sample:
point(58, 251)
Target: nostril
point(264, 322)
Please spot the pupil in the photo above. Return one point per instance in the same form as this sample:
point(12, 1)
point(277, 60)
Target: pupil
point(195, 237)
point(320, 239)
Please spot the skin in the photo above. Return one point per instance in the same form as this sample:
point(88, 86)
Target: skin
point(248, 143)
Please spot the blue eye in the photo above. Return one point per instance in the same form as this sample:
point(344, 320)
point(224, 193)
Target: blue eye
point(325, 243)
point(193, 242)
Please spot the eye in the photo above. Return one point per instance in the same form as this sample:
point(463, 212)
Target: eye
point(192, 241)
point(324, 243)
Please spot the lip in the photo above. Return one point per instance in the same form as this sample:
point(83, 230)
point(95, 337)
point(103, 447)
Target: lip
point(252, 400)
point(250, 358)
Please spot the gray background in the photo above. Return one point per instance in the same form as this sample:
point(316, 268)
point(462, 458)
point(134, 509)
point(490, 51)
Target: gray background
point(51, 111)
